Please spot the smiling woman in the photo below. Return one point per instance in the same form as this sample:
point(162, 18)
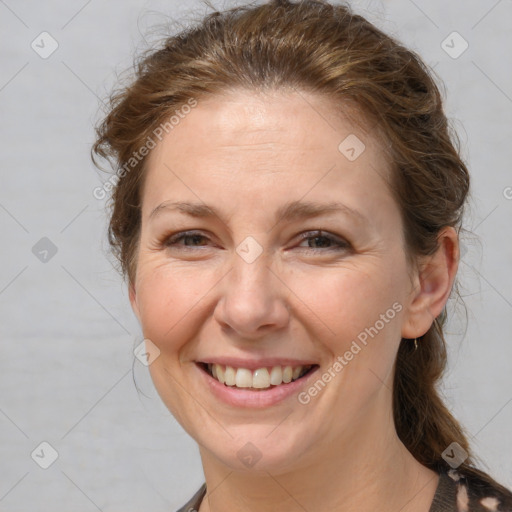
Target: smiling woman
point(290, 244)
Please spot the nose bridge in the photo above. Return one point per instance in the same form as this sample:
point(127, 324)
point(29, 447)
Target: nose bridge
point(252, 295)
point(251, 273)
point(251, 276)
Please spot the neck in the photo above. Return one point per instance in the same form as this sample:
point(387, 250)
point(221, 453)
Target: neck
point(365, 469)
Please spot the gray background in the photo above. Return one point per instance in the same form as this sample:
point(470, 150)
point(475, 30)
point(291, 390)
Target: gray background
point(67, 329)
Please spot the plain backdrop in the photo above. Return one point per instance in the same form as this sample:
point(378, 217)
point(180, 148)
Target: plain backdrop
point(67, 330)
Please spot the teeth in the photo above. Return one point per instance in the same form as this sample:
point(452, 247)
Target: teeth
point(244, 378)
point(259, 379)
point(276, 376)
point(220, 374)
point(230, 376)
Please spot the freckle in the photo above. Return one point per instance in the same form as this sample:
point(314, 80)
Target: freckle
point(490, 503)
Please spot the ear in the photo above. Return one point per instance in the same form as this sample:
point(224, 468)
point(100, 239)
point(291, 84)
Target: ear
point(432, 285)
point(133, 301)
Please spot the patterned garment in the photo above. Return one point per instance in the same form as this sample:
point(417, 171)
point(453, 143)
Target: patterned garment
point(466, 493)
point(455, 493)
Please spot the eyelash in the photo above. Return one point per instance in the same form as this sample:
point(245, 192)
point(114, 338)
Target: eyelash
point(340, 244)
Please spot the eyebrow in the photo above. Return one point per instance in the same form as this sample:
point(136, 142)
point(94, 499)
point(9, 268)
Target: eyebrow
point(291, 211)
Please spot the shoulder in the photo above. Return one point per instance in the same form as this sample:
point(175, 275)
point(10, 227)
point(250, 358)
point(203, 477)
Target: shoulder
point(470, 491)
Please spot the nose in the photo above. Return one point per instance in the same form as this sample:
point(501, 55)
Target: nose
point(253, 301)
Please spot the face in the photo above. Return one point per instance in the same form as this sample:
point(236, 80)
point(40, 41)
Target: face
point(293, 253)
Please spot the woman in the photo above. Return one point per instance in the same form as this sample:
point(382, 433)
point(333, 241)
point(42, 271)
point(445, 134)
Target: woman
point(286, 212)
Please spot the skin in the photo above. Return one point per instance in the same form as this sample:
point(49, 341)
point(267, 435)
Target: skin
point(246, 154)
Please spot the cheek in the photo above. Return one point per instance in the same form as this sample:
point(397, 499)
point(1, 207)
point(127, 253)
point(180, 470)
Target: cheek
point(346, 301)
point(334, 304)
point(167, 298)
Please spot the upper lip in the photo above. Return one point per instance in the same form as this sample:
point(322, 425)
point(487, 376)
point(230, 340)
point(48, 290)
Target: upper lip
point(254, 364)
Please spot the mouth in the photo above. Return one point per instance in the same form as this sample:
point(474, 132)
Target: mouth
point(261, 379)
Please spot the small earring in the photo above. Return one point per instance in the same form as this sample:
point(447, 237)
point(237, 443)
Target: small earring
point(415, 344)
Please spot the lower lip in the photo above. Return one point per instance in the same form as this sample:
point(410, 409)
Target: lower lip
point(254, 399)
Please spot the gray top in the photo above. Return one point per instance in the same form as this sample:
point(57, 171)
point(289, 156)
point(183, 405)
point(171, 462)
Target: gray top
point(455, 493)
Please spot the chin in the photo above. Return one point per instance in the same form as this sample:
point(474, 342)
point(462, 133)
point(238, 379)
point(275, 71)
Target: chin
point(257, 449)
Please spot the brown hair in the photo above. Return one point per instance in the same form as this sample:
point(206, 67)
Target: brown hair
point(314, 46)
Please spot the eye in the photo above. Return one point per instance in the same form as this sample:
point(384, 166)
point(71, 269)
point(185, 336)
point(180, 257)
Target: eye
point(316, 240)
point(325, 240)
point(193, 237)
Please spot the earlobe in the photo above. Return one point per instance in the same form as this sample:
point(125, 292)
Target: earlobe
point(433, 285)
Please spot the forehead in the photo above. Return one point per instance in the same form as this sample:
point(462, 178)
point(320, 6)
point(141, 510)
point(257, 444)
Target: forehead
point(265, 140)
point(241, 115)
